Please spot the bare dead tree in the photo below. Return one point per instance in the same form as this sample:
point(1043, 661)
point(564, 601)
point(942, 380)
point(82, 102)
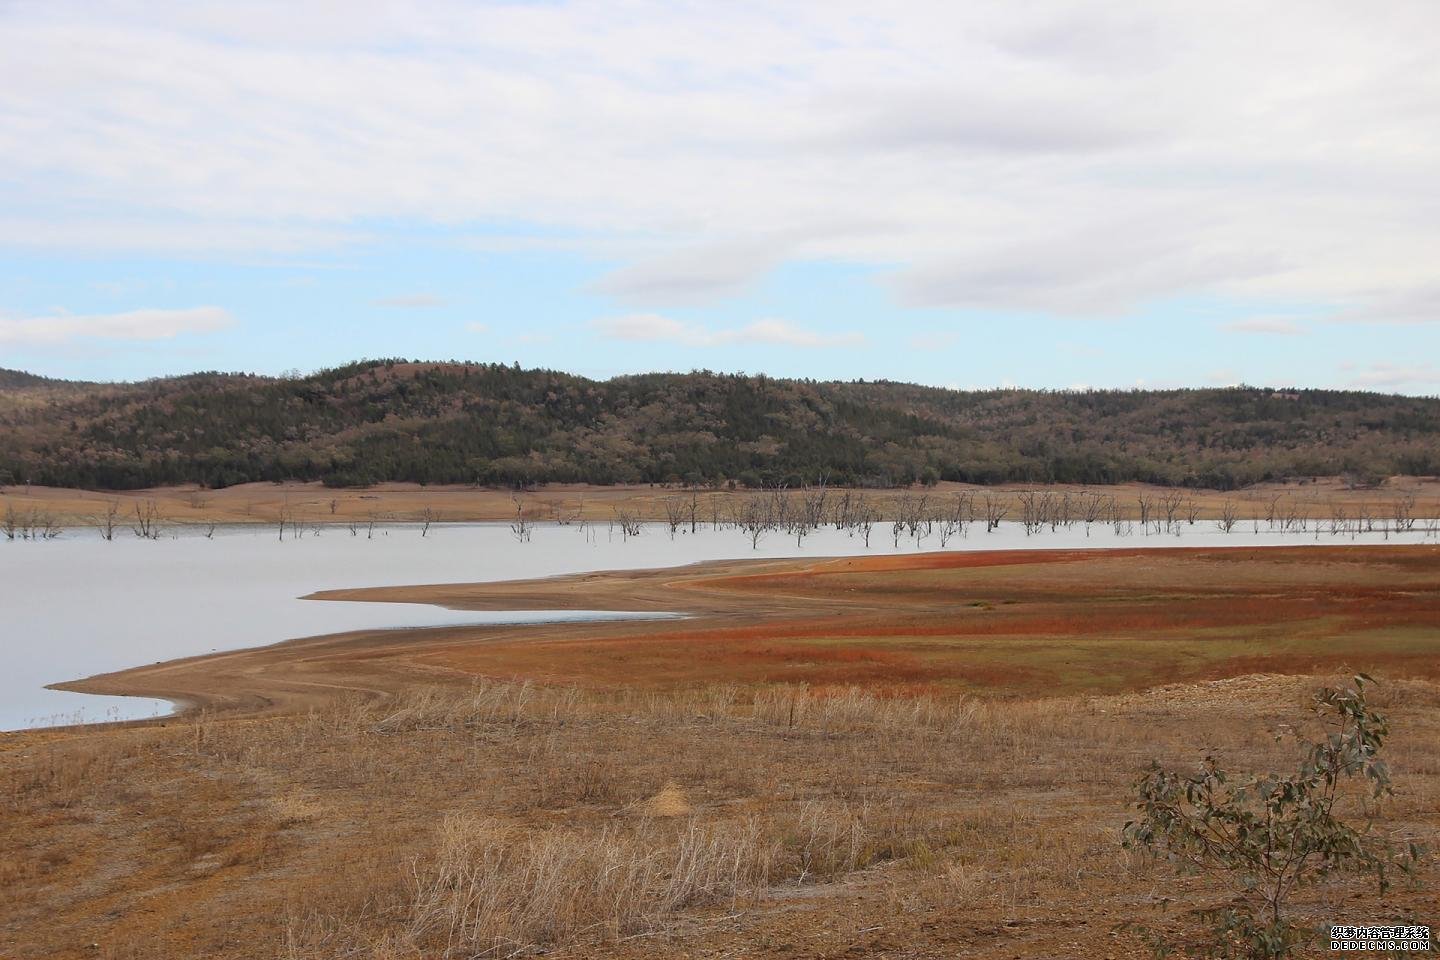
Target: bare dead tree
point(10, 525)
point(962, 511)
point(841, 514)
point(1146, 503)
point(995, 510)
point(1062, 511)
point(1170, 507)
point(1229, 514)
point(108, 520)
point(1338, 518)
point(1031, 508)
point(520, 526)
point(46, 526)
point(147, 521)
point(1272, 511)
point(865, 522)
point(1092, 507)
point(812, 504)
point(779, 506)
point(1402, 511)
point(674, 514)
point(756, 517)
point(427, 517)
point(1192, 511)
point(628, 521)
point(1116, 517)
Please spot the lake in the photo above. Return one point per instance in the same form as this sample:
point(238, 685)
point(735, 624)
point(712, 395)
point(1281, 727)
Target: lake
point(78, 605)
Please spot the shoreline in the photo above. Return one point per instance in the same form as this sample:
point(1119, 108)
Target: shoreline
point(313, 503)
point(717, 599)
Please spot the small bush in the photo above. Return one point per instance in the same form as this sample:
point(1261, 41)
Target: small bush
point(1270, 834)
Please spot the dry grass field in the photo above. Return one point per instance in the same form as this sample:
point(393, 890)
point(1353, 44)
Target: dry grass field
point(918, 756)
point(314, 503)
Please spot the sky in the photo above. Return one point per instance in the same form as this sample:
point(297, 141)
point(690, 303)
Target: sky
point(968, 194)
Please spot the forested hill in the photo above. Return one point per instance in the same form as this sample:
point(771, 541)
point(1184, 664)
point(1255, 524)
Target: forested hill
point(496, 424)
point(20, 380)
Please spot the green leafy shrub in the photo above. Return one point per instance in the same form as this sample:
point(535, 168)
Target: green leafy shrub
point(1268, 835)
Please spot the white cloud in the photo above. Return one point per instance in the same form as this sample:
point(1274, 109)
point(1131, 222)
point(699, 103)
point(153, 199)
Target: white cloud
point(692, 275)
point(942, 142)
point(475, 327)
point(643, 327)
point(1417, 377)
point(140, 325)
point(410, 301)
point(1419, 304)
point(655, 328)
point(1281, 326)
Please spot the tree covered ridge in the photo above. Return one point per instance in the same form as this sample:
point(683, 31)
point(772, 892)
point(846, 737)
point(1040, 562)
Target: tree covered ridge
point(489, 423)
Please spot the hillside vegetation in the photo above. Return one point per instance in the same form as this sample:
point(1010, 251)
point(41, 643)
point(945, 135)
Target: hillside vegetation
point(393, 420)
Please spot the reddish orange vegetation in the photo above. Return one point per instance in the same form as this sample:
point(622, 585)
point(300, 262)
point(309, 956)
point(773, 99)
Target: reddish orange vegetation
point(1017, 621)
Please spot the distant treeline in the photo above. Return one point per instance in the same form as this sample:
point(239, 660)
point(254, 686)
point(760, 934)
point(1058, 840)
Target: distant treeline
point(493, 424)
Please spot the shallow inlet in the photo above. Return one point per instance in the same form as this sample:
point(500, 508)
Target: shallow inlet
point(78, 606)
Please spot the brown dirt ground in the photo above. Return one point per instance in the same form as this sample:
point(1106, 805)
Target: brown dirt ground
point(279, 816)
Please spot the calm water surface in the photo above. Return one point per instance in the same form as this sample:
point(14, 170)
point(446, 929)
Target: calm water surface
point(78, 605)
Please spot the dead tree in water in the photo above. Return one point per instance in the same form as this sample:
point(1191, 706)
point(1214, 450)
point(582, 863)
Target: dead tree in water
point(1338, 519)
point(755, 518)
point(1145, 503)
point(1092, 507)
point(812, 504)
point(1170, 507)
point(865, 522)
point(520, 526)
point(427, 517)
point(1229, 514)
point(108, 522)
point(1403, 512)
point(147, 521)
point(10, 525)
point(1031, 508)
point(674, 514)
point(40, 525)
point(629, 523)
point(995, 510)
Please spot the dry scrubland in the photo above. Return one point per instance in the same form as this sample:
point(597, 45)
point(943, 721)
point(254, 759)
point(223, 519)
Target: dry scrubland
point(833, 758)
point(312, 503)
